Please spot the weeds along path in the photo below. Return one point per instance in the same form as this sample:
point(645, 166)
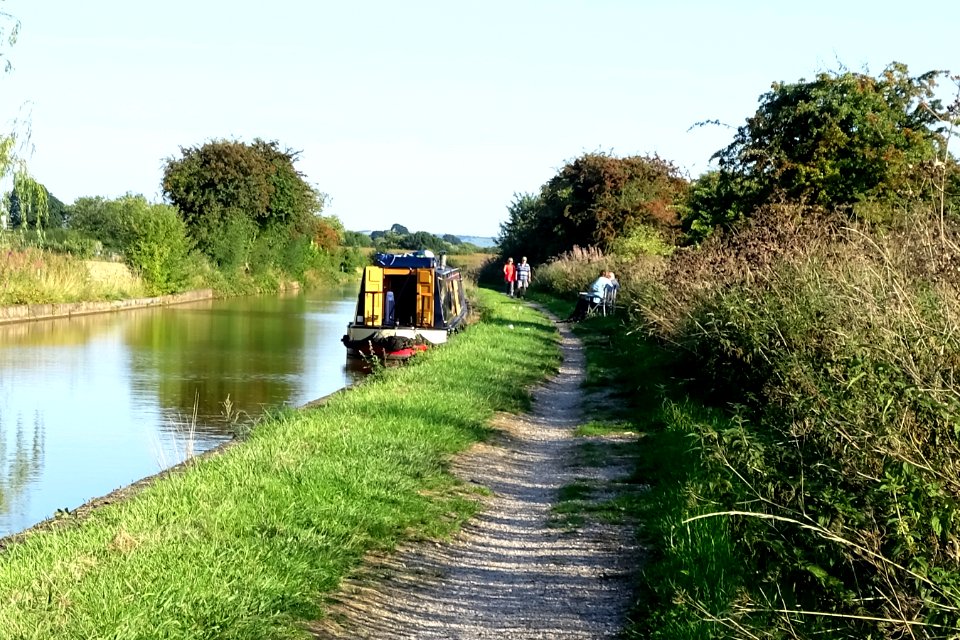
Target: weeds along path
point(509, 573)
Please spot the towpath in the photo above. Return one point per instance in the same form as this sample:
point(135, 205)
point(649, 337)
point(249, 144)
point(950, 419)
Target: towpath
point(509, 573)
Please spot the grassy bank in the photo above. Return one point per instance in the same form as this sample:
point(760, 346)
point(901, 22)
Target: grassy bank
point(245, 543)
point(33, 276)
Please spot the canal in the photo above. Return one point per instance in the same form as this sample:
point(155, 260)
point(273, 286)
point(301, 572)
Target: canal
point(90, 404)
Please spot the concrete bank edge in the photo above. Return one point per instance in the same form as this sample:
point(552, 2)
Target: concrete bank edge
point(32, 312)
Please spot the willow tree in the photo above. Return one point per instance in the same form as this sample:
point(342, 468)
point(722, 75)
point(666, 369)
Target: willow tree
point(31, 195)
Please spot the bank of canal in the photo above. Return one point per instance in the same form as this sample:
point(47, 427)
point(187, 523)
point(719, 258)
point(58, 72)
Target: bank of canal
point(244, 544)
point(90, 403)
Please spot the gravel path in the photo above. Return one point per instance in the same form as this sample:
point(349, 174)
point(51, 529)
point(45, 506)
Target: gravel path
point(508, 574)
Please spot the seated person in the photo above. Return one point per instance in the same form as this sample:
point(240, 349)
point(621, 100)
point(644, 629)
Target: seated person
point(591, 298)
point(613, 281)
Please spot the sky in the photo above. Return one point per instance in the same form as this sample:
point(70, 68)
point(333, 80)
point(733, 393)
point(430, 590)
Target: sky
point(430, 114)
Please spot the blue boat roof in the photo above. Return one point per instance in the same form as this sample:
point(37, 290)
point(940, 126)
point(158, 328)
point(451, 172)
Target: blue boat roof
point(417, 260)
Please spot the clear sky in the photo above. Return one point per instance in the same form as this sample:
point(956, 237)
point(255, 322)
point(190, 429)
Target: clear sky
point(431, 114)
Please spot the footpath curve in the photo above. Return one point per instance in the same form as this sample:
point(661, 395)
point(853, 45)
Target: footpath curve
point(509, 573)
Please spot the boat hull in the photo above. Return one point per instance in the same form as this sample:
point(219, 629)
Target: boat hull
point(363, 341)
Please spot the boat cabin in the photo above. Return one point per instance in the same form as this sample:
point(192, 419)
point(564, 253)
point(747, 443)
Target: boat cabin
point(409, 300)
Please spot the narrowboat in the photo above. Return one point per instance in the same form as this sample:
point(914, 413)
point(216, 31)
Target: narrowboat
point(407, 303)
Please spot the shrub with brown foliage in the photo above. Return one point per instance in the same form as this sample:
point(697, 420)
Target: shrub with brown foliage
point(839, 348)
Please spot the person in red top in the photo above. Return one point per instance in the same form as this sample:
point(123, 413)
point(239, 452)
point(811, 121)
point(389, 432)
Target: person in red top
point(510, 275)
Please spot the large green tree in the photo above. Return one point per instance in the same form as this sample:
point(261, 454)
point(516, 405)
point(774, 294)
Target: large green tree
point(837, 141)
point(592, 201)
point(228, 188)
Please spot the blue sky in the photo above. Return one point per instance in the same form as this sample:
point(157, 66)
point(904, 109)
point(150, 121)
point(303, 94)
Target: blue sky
point(428, 114)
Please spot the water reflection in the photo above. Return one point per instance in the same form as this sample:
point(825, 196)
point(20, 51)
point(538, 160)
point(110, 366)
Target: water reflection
point(93, 403)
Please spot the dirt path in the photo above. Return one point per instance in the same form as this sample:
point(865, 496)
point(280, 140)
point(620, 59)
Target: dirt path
point(509, 574)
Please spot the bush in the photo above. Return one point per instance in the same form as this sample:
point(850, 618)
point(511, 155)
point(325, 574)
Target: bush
point(838, 348)
point(159, 249)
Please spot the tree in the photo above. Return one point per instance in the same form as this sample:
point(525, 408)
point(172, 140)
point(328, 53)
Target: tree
point(56, 211)
point(842, 139)
point(9, 30)
point(591, 201)
point(225, 189)
point(518, 233)
point(357, 239)
point(31, 194)
point(424, 240)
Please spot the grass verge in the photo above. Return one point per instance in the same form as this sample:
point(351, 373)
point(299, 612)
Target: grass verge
point(244, 544)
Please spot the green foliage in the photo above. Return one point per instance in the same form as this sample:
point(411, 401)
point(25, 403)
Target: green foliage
point(640, 240)
point(159, 248)
point(29, 275)
point(835, 475)
point(589, 203)
point(397, 237)
point(108, 221)
point(152, 238)
point(52, 217)
point(524, 215)
point(842, 139)
point(66, 241)
point(223, 186)
point(357, 239)
point(9, 31)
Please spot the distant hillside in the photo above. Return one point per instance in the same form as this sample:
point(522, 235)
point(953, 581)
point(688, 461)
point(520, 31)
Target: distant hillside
point(480, 241)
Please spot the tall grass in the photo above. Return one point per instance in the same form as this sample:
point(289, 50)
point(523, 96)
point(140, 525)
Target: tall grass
point(835, 474)
point(34, 276)
point(244, 544)
point(571, 272)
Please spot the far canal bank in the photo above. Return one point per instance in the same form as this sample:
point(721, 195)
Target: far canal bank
point(31, 312)
point(91, 401)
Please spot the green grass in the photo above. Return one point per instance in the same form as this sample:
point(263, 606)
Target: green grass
point(244, 544)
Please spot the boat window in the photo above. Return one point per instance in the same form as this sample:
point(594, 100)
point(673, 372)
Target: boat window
point(447, 300)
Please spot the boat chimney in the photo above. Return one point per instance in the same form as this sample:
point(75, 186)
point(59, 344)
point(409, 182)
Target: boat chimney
point(443, 260)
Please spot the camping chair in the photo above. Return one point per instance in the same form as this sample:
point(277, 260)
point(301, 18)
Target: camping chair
point(609, 303)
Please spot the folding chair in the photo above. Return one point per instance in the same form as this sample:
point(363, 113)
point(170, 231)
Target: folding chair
point(594, 303)
point(609, 302)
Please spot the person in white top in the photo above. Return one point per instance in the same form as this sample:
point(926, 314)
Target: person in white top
point(592, 297)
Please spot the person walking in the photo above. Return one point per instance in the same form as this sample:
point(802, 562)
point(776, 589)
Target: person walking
point(523, 276)
point(510, 275)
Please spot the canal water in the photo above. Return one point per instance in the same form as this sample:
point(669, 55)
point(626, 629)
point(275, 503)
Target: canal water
point(90, 404)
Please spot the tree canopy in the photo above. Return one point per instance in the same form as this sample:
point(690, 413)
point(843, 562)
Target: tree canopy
point(836, 141)
point(56, 211)
point(591, 201)
point(255, 186)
